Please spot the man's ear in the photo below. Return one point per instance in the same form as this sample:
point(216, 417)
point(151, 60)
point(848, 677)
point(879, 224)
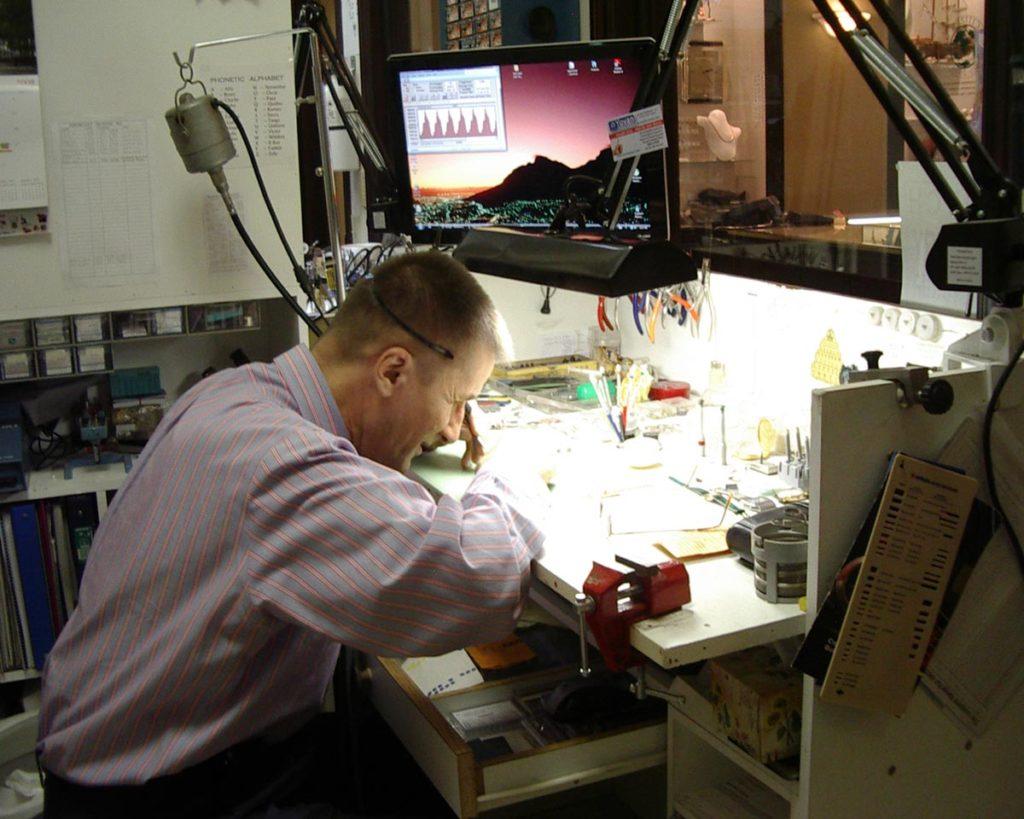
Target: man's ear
point(394, 368)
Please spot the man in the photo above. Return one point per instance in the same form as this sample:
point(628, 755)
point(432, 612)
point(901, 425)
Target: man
point(267, 522)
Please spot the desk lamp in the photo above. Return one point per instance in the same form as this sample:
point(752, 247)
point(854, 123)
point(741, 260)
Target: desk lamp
point(984, 251)
point(608, 267)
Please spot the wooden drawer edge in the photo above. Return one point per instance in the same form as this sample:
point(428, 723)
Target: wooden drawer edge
point(424, 705)
point(439, 751)
point(489, 801)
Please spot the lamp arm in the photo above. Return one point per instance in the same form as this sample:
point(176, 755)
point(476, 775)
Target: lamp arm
point(990, 192)
point(650, 92)
point(365, 139)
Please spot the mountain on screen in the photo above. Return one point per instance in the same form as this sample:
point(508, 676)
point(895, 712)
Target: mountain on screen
point(541, 179)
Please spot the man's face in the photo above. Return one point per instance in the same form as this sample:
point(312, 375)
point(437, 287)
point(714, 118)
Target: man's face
point(433, 404)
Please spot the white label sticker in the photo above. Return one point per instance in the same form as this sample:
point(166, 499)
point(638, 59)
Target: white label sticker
point(963, 266)
point(639, 132)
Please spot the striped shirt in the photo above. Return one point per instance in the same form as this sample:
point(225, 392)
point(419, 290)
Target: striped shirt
point(248, 542)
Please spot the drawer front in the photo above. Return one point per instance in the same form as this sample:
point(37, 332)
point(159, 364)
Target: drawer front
point(470, 787)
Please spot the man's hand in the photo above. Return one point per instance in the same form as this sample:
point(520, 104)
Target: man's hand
point(474, 454)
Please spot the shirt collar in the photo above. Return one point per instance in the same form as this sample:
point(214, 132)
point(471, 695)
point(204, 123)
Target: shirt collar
point(305, 380)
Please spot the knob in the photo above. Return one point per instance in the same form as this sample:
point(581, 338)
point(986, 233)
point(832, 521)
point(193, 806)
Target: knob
point(872, 357)
point(936, 396)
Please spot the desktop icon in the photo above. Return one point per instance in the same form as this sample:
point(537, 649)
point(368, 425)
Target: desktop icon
point(593, 65)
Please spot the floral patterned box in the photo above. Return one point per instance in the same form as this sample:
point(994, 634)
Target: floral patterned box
point(757, 701)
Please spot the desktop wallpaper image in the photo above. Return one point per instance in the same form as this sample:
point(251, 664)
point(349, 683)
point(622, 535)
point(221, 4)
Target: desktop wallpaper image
point(556, 125)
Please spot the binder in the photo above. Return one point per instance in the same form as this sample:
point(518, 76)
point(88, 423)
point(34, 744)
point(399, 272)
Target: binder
point(41, 628)
point(48, 551)
point(65, 558)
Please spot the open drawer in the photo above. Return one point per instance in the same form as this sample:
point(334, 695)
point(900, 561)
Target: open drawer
point(470, 786)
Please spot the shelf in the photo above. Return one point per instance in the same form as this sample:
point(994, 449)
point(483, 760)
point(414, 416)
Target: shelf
point(192, 320)
point(692, 721)
point(51, 483)
point(19, 675)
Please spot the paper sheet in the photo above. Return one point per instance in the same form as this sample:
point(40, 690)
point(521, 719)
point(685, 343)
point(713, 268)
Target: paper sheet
point(225, 250)
point(662, 509)
point(449, 672)
point(262, 98)
point(106, 219)
point(923, 213)
point(22, 166)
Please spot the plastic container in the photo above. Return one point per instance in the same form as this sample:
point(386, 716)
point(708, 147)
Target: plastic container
point(135, 382)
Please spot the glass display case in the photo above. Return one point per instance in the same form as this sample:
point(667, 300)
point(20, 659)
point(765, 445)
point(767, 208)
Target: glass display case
point(789, 169)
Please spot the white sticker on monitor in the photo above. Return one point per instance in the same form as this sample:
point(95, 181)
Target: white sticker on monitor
point(639, 132)
point(964, 266)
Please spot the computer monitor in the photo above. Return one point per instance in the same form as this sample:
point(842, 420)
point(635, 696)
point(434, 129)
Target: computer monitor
point(490, 136)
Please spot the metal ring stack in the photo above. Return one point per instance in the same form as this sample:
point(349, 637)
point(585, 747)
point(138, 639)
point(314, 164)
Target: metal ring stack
point(779, 550)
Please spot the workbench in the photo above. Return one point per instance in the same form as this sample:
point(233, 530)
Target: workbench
point(725, 615)
point(853, 763)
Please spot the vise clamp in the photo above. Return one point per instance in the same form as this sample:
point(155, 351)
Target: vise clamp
point(613, 600)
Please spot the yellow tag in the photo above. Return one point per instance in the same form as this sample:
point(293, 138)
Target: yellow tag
point(766, 437)
point(828, 362)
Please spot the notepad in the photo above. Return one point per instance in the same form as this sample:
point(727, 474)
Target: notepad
point(502, 654)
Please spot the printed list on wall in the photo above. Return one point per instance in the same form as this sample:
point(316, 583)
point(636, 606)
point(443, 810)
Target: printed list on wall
point(263, 101)
point(106, 216)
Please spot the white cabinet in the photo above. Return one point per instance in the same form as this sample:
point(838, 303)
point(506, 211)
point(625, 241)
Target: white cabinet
point(854, 763)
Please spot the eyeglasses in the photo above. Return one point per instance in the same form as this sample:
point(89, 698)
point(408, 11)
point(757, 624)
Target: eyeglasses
point(437, 348)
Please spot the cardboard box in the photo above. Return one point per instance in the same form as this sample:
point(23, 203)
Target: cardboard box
point(757, 701)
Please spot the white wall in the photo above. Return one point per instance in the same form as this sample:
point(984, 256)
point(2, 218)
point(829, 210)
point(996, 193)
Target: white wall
point(766, 335)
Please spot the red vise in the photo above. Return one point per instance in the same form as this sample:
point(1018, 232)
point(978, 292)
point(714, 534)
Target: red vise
point(623, 598)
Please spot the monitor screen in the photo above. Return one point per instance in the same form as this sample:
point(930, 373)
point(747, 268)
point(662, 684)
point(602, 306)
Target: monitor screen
point(490, 136)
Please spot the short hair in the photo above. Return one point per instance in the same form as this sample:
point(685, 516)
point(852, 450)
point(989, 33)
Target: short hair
point(433, 294)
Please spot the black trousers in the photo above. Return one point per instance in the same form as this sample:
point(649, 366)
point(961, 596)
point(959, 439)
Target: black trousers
point(254, 779)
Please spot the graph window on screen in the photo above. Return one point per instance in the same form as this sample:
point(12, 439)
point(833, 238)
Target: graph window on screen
point(496, 143)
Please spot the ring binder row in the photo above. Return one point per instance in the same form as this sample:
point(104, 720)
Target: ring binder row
point(43, 549)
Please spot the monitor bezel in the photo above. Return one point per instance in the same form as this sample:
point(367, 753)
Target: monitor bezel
point(642, 48)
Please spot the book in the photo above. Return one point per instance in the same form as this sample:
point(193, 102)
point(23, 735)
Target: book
point(14, 582)
point(41, 628)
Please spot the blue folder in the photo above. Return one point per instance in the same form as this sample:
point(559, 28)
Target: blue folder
point(41, 630)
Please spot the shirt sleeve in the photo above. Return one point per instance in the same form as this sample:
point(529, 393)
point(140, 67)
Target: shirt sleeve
point(363, 555)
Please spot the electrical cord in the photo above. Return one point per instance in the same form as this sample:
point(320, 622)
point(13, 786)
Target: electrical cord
point(986, 444)
point(546, 306)
point(288, 297)
point(48, 446)
point(300, 273)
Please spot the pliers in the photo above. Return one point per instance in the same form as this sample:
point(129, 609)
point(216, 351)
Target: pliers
point(603, 322)
point(639, 301)
point(652, 319)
